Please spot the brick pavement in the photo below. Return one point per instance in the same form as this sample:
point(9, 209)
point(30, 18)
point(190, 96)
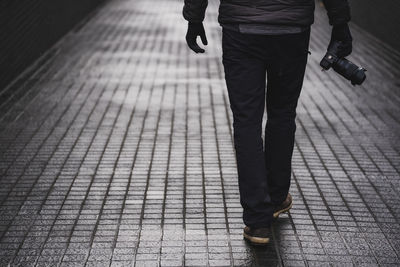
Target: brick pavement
point(116, 150)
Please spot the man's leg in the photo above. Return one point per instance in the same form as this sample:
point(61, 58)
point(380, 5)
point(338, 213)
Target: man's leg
point(245, 75)
point(285, 80)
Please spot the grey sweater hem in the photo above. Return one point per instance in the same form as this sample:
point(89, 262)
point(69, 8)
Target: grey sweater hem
point(267, 29)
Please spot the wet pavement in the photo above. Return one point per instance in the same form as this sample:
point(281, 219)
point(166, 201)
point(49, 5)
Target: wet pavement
point(116, 150)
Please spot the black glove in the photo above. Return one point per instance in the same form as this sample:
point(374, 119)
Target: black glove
point(195, 29)
point(341, 33)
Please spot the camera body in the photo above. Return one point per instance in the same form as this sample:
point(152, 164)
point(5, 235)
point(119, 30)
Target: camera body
point(344, 67)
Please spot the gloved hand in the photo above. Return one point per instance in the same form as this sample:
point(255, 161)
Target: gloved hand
point(341, 32)
point(195, 29)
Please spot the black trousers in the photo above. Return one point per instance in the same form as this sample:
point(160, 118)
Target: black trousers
point(249, 61)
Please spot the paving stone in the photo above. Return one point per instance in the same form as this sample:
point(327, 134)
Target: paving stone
point(118, 152)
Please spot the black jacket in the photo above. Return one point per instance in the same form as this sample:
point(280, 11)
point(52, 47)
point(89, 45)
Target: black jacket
point(282, 12)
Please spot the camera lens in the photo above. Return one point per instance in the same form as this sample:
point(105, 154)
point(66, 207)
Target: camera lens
point(350, 71)
point(358, 76)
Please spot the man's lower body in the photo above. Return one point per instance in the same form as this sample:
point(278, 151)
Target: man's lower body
point(249, 61)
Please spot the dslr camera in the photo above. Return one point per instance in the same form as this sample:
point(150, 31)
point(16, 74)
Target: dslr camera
point(344, 67)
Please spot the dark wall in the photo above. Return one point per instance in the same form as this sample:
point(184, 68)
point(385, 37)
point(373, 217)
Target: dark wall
point(379, 17)
point(29, 27)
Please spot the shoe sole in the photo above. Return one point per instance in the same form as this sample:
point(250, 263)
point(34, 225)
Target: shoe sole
point(256, 240)
point(276, 214)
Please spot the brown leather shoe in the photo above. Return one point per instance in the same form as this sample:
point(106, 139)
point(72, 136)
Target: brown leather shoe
point(257, 236)
point(285, 206)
